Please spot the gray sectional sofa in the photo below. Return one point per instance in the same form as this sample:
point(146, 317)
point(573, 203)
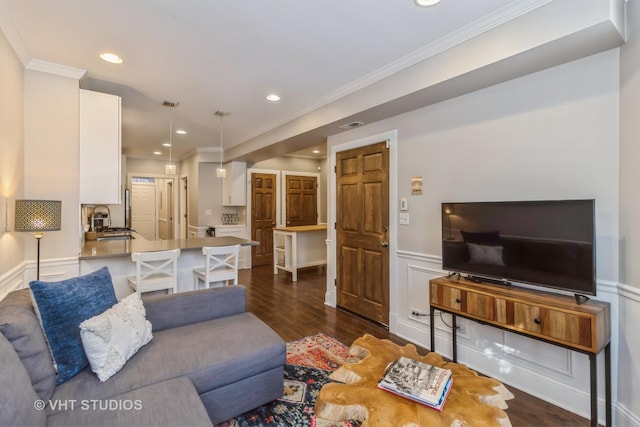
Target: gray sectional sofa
point(209, 360)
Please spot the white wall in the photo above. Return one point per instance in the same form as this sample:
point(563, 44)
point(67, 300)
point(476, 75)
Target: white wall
point(548, 135)
point(51, 161)
point(11, 154)
point(210, 196)
point(629, 311)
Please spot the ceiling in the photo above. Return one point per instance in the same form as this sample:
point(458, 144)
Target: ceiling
point(227, 55)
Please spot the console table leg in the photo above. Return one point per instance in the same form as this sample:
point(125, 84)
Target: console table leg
point(607, 382)
point(594, 388)
point(432, 317)
point(454, 331)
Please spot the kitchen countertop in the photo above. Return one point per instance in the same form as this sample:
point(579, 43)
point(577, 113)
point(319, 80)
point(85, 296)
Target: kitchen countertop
point(124, 248)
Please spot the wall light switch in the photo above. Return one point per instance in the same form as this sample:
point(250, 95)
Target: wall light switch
point(404, 204)
point(404, 218)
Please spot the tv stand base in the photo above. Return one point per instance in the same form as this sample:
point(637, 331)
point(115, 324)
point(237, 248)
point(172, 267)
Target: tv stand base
point(543, 316)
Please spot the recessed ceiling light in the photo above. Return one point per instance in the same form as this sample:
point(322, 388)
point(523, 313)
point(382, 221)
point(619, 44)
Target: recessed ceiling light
point(273, 97)
point(316, 151)
point(426, 3)
point(111, 58)
point(157, 153)
point(181, 132)
point(166, 144)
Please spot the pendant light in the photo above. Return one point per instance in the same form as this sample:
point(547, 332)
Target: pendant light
point(170, 169)
point(221, 172)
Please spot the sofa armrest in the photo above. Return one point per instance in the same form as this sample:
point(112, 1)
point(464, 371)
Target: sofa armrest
point(183, 308)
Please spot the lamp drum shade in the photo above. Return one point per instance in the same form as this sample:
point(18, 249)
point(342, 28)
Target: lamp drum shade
point(38, 215)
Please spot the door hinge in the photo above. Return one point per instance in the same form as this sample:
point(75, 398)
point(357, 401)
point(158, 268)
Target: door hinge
point(335, 169)
point(335, 225)
point(388, 143)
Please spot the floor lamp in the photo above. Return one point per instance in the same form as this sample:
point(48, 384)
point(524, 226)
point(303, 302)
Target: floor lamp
point(38, 216)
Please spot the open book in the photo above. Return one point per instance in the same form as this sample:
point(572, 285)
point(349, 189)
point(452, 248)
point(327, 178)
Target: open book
point(417, 381)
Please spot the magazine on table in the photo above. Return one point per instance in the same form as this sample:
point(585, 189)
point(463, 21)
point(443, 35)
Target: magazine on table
point(417, 381)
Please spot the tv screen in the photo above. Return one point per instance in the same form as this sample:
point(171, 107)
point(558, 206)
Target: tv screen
point(544, 243)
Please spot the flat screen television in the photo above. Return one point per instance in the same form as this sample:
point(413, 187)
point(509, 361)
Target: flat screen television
point(543, 243)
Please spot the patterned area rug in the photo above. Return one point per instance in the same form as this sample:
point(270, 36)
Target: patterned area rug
point(309, 363)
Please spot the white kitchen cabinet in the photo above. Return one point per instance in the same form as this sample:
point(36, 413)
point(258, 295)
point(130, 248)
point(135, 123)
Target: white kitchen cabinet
point(100, 148)
point(242, 232)
point(234, 187)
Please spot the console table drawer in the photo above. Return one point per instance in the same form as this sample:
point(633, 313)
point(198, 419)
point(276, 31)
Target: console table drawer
point(476, 304)
point(447, 297)
point(562, 327)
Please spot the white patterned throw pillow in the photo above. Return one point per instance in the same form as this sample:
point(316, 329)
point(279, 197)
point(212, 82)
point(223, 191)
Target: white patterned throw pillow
point(111, 338)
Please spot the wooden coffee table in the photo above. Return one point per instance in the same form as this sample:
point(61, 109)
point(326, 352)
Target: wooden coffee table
point(474, 400)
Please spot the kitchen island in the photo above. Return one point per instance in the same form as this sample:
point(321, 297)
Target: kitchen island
point(116, 255)
point(299, 247)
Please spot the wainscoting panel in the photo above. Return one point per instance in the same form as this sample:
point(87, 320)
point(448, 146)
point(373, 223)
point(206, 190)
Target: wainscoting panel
point(52, 270)
point(550, 372)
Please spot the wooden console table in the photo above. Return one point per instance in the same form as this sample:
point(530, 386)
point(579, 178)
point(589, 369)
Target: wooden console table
point(299, 247)
point(552, 318)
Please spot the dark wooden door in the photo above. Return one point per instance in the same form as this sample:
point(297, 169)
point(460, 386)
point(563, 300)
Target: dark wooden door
point(362, 224)
point(263, 217)
point(302, 200)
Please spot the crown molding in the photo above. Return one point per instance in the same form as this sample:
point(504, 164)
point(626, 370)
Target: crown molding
point(57, 69)
point(12, 35)
point(509, 12)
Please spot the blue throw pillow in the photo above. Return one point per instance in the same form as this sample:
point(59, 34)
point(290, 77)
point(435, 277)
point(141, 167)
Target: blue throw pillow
point(62, 306)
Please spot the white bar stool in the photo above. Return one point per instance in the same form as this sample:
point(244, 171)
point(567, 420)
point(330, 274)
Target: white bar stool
point(155, 271)
point(221, 265)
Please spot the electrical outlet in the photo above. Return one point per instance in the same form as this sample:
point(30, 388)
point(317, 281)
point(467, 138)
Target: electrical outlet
point(462, 326)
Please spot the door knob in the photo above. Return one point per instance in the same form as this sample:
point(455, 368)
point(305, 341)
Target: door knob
point(384, 244)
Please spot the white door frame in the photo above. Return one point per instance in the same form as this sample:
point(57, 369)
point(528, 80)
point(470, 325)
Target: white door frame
point(182, 224)
point(331, 294)
point(174, 178)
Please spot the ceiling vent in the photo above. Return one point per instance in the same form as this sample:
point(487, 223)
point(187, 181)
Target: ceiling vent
point(351, 125)
point(170, 104)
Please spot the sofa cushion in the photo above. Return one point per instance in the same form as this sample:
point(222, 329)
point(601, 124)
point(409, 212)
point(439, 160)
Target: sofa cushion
point(111, 338)
point(168, 403)
point(17, 396)
point(19, 324)
point(62, 306)
point(209, 353)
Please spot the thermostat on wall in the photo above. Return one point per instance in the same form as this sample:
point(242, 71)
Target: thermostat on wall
point(416, 186)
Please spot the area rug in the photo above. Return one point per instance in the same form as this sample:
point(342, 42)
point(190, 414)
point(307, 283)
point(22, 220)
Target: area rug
point(310, 361)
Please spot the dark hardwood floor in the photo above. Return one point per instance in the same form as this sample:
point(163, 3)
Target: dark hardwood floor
point(296, 310)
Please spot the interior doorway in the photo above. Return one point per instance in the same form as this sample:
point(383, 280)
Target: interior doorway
point(301, 199)
point(263, 217)
point(153, 206)
point(143, 208)
point(362, 227)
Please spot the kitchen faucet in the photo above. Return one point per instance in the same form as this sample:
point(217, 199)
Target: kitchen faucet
point(93, 213)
